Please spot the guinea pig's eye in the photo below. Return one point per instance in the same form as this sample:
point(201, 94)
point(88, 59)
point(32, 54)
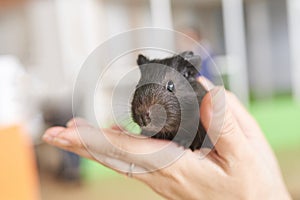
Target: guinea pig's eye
point(186, 74)
point(170, 86)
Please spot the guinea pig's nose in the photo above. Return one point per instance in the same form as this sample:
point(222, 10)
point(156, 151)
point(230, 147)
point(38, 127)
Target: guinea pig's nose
point(145, 118)
point(158, 115)
point(147, 114)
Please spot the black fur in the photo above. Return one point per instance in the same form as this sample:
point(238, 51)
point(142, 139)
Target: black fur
point(179, 106)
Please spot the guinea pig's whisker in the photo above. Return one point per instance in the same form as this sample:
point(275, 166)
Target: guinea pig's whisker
point(160, 117)
point(121, 113)
point(127, 122)
point(131, 126)
point(189, 131)
point(122, 104)
point(124, 115)
point(183, 108)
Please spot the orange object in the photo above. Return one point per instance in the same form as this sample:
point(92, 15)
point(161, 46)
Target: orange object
point(18, 175)
point(11, 3)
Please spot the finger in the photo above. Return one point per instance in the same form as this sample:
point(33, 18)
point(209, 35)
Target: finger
point(221, 126)
point(77, 122)
point(67, 140)
point(147, 153)
point(243, 117)
point(207, 84)
point(250, 128)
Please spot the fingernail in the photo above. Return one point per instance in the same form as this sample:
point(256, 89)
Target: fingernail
point(54, 131)
point(47, 138)
point(218, 98)
point(61, 141)
point(70, 123)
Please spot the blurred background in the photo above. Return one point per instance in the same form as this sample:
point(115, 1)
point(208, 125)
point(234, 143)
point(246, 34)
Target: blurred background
point(43, 43)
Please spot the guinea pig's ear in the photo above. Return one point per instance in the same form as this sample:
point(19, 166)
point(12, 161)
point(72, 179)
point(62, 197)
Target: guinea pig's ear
point(186, 54)
point(195, 61)
point(142, 60)
point(193, 70)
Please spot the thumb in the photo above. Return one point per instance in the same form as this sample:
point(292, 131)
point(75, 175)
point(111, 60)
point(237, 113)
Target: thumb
point(222, 128)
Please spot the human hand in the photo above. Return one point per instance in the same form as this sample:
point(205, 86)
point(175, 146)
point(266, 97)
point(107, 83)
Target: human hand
point(241, 165)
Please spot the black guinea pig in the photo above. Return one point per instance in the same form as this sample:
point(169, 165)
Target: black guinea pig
point(167, 100)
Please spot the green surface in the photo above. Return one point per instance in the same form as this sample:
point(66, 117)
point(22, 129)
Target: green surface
point(91, 170)
point(279, 118)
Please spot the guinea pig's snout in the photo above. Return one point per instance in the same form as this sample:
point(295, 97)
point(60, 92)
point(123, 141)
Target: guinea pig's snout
point(145, 119)
point(154, 116)
point(158, 115)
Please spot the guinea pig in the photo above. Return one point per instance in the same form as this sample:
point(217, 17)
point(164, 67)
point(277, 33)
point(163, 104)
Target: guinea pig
point(167, 100)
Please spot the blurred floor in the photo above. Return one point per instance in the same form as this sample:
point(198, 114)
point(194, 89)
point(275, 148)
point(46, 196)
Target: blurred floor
point(97, 182)
point(108, 188)
point(290, 166)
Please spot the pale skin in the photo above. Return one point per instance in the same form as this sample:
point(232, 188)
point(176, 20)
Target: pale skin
point(241, 165)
